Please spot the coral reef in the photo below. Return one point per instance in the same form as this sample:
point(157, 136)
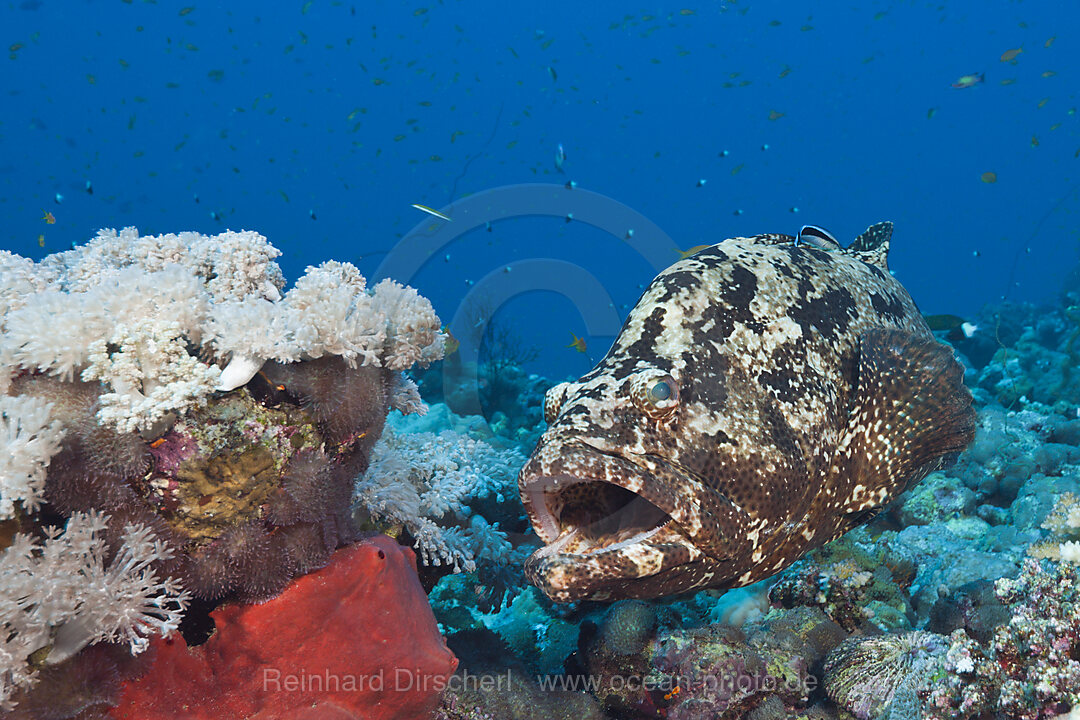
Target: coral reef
point(761, 671)
point(1038, 650)
point(355, 639)
point(428, 485)
point(856, 584)
point(866, 675)
point(1063, 522)
point(168, 382)
point(72, 589)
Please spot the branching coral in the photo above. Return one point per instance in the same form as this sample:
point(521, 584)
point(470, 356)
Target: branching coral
point(63, 593)
point(1064, 524)
point(1029, 670)
point(163, 321)
point(29, 438)
point(425, 481)
point(134, 381)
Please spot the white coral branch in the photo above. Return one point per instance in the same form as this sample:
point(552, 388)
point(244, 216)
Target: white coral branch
point(60, 594)
point(28, 440)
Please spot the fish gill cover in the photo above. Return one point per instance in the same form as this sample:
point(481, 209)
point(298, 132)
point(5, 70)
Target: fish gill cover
point(196, 420)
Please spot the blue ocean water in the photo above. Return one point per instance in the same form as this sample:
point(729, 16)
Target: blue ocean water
point(319, 123)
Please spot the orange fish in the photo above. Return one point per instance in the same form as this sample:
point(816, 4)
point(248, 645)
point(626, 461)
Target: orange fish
point(49, 218)
point(989, 177)
point(1010, 55)
point(966, 81)
point(578, 344)
point(683, 254)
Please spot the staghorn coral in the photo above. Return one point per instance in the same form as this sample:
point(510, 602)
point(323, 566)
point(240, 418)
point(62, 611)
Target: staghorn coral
point(67, 591)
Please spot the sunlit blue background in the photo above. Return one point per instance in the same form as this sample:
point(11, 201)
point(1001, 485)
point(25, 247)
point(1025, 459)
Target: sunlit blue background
point(267, 114)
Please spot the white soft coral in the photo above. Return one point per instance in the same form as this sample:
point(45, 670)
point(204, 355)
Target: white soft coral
point(60, 593)
point(28, 440)
point(149, 374)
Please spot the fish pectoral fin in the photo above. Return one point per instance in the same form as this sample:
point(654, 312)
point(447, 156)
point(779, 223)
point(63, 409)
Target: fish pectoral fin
point(911, 411)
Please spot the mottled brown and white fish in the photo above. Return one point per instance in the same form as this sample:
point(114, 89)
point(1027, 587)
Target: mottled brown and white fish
point(763, 398)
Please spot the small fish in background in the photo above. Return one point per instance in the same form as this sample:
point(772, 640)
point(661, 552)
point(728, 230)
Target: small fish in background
point(432, 211)
point(560, 158)
point(311, 214)
point(683, 254)
point(451, 344)
point(989, 177)
point(88, 188)
point(554, 75)
point(58, 198)
point(954, 327)
point(966, 81)
point(41, 240)
point(701, 182)
point(578, 344)
point(816, 237)
point(49, 218)
point(215, 215)
point(1010, 55)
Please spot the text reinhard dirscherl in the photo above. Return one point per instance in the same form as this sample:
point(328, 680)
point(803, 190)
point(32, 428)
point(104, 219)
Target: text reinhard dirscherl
point(411, 680)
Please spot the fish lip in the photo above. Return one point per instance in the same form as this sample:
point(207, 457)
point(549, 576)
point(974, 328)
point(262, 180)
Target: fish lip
point(545, 468)
point(567, 575)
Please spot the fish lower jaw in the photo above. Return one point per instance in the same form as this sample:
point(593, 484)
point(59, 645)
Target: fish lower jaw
point(573, 541)
point(578, 516)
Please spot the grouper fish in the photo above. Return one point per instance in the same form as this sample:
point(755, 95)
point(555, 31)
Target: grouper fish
point(763, 397)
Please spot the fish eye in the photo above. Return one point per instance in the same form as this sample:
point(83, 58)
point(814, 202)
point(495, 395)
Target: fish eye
point(553, 400)
point(656, 393)
point(660, 391)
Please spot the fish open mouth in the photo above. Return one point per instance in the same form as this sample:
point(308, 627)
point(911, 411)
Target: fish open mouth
point(610, 525)
point(587, 516)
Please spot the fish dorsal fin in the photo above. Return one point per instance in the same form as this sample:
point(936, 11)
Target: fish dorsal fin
point(872, 247)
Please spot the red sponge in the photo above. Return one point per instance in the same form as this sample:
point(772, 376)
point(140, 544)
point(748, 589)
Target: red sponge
point(356, 639)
